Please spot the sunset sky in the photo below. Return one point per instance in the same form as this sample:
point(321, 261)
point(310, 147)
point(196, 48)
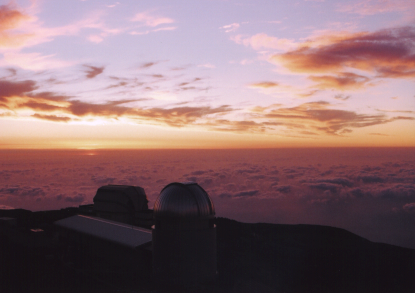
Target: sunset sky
point(206, 74)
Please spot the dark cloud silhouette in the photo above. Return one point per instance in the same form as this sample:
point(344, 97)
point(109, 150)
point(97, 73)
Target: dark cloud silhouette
point(189, 82)
point(265, 84)
point(93, 71)
point(396, 191)
point(109, 109)
point(257, 177)
point(339, 181)
point(236, 126)
point(16, 88)
point(198, 172)
point(207, 182)
point(119, 84)
point(308, 118)
point(387, 53)
point(50, 96)
point(341, 81)
point(370, 179)
point(11, 71)
point(53, 118)
point(409, 207)
point(240, 194)
point(326, 120)
point(157, 75)
point(79, 198)
point(67, 107)
point(179, 116)
point(356, 192)
point(324, 186)
point(341, 97)
point(191, 85)
point(23, 191)
point(284, 188)
point(376, 133)
point(147, 65)
point(103, 179)
point(308, 94)
point(9, 190)
point(6, 207)
point(42, 106)
point(32, 191)
point(249, 171)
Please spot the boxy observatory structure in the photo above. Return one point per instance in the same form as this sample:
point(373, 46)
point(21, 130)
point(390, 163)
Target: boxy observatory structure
point(181, 244)
point(123, 203)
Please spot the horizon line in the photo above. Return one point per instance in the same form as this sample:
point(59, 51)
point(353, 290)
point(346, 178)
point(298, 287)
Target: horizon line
point(193, 148)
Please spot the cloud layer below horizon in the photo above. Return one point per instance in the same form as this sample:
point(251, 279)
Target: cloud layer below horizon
point(369, 193)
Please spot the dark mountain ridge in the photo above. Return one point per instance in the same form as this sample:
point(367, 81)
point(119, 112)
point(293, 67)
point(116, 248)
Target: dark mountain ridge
point(251, 258)
point(311, 258)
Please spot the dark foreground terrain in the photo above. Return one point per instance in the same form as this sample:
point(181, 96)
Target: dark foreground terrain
point(251, 258)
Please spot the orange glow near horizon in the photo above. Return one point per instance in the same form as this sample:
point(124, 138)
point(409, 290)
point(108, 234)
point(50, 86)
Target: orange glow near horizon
point(208, 140)
point(126, 136)
point(143, 76)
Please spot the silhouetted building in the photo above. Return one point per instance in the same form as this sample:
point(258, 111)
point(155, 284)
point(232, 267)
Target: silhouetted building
point(181, 247)
point(86, 209)
point(184, 236)
point(111, 241)
point(123, 203)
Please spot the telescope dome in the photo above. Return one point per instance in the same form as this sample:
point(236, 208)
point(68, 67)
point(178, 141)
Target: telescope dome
point(182, 201)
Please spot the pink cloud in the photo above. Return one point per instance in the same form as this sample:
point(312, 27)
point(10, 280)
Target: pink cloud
point(308, 118)
point(95, 39)
point(11, 18)
point(207, 65)
point(264, 84)
point(113, 5)
point(341, 81)
point(139, 33)
point(231, 27)
point(386, 53)
point(370, 7)
point(150, 20)
point(34, 61)
point(170, 28)
point(263, 41)
point(59, 108)
point(19, 30)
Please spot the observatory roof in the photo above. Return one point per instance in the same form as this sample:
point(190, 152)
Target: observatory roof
point(119, 198)
point(183, 200)
point(119, 233)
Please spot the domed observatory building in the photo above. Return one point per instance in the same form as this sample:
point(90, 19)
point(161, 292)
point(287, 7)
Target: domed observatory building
point(184, 236)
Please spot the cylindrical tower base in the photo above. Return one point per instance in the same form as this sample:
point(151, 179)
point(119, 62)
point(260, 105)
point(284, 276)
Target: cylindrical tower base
point(184, 258)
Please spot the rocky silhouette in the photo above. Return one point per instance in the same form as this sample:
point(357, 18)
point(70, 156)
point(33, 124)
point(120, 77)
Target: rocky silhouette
point(251, 258)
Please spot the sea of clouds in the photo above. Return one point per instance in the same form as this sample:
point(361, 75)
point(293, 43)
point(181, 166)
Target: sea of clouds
point(370, 192)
